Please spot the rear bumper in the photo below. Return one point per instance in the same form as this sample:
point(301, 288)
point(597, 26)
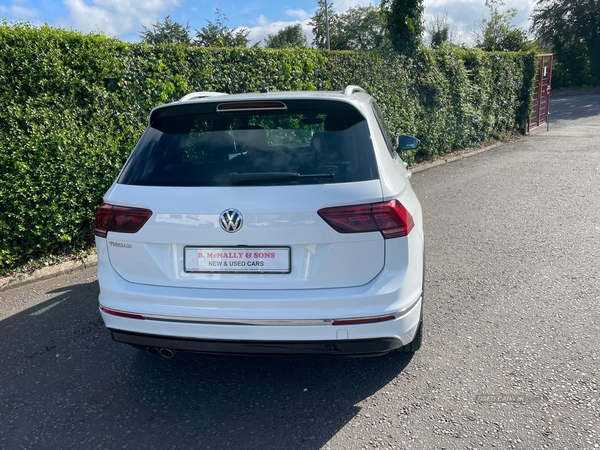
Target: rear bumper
point(362, 347)
point(327, 339)
point(299, 321)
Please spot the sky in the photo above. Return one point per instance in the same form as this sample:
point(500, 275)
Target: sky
point(124, 18)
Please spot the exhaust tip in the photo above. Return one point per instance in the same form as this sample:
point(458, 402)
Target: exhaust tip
point(166, 353)
point(153, 350)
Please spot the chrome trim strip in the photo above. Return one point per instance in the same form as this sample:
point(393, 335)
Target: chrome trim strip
point(247, 322)
point(265, 322)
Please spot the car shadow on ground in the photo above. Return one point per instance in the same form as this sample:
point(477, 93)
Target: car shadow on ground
point(65, 384)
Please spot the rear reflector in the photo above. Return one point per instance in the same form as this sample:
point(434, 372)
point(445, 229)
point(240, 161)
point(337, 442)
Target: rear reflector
point(362, 321)
point(121, 314)
point(119, 219)
point(390, 218)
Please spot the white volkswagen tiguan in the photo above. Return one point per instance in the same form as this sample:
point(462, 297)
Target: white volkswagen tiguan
point(265, 223)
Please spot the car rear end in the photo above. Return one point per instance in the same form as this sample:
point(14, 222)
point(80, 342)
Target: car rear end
point(260, 225)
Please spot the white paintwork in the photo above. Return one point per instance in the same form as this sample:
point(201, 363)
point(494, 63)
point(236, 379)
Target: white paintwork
point(402, 328)
point(351, 89)
point(334, 276)
point(321, 257)
point(198, 95)
point(394, 289)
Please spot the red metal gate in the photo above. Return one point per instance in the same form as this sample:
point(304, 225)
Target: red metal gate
point(540, 113)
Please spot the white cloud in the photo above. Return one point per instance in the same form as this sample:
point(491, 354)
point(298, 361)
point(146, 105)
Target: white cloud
point(465, 14)
point(18, 10)
point(115, 17)
point(122, 17)
point(299, 14)
point(264, 27)
point(344, 5)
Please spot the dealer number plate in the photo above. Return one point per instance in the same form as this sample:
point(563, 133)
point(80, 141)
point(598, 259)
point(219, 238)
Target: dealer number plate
point(237, 260)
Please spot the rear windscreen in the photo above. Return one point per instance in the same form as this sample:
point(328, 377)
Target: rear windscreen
point(306, 142)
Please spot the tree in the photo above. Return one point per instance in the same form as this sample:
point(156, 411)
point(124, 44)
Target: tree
point(364, 28)
point(290, 36)
point(496, 33)
point(571, 28)
point(166, 32)
point(404, 23)
point(440, 31)
point(359, 28)
point(217, 34)
point(317, 22)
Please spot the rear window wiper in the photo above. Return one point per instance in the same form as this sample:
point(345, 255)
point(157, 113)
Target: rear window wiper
point(239, 178)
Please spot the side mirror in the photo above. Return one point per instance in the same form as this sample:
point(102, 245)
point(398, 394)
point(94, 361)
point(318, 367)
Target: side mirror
point(405, 142)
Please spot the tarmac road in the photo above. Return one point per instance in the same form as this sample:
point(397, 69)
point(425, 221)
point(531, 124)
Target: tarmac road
point(511, 357)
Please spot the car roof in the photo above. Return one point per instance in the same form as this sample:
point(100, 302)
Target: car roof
point(351, 90)
point(352, 94)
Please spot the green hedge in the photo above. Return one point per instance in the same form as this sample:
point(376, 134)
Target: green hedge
point(72, 107)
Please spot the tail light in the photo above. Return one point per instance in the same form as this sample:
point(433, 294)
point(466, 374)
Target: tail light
point(237, 107)
point(120, 219)
point(390, 218)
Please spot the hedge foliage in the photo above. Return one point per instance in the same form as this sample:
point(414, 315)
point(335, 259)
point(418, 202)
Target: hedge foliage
point(72, 107)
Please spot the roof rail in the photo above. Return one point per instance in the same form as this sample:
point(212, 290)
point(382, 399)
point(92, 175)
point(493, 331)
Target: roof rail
point(195, 95)
point(351, 89)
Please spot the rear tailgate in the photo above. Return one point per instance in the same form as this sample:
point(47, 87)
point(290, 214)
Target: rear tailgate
point(279, 222)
